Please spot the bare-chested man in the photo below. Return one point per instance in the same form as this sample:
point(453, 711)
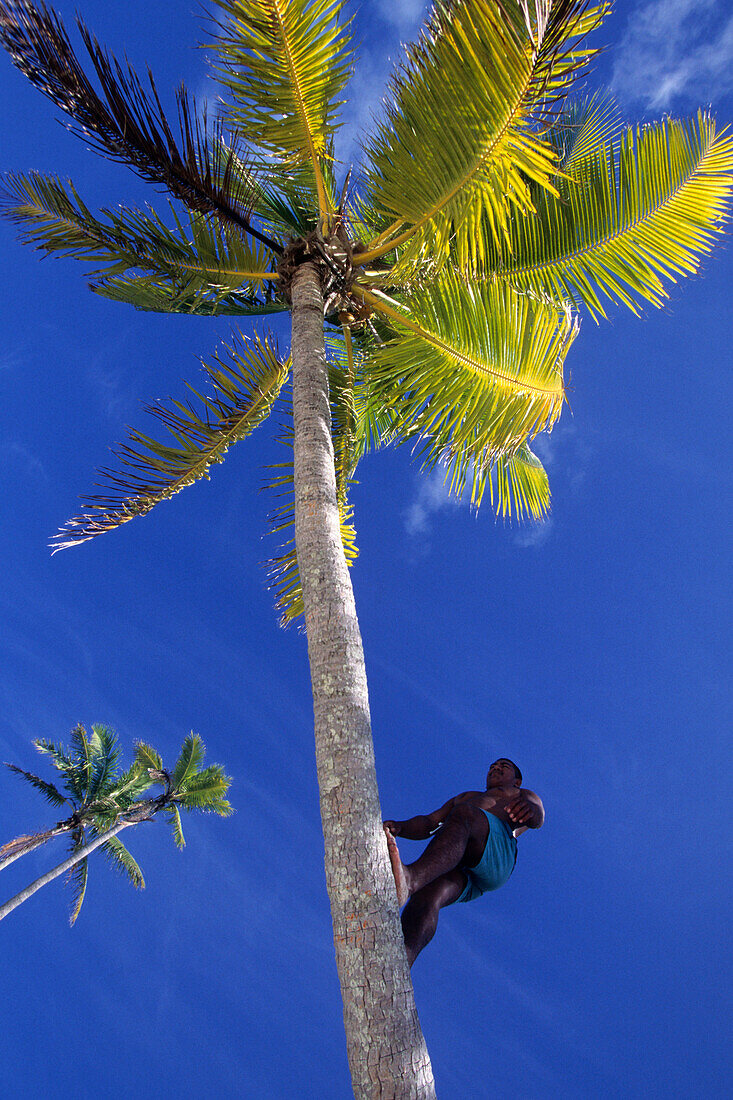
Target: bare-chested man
point(474, 850)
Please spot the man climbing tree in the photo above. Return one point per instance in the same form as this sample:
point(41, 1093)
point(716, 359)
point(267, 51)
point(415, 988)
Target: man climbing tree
point(474, 850)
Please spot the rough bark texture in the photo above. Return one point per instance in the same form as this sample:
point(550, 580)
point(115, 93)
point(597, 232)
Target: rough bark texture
point(67, 865)
point(386, 1049)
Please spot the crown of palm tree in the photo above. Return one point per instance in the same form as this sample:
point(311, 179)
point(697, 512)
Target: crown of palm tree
point(486, 215)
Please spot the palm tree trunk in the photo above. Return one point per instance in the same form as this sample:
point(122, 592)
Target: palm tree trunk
point(387, 1053)
point(67, 865)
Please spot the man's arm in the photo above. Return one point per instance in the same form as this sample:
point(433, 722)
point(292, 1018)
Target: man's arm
point(422, 826)
point(526, 810)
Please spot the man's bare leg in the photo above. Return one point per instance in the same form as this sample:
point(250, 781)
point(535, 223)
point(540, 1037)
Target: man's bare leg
point(460, 842)
point(420, 915)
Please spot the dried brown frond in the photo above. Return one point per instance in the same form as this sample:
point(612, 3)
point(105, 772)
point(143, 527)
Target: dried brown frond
point(127, 123)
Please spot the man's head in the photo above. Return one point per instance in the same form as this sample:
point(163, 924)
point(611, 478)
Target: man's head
point(503, 773)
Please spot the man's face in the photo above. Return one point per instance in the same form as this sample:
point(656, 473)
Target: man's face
point(501, 774)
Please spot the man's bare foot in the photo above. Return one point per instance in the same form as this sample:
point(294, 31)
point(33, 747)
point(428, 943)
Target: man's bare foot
point(398, 869)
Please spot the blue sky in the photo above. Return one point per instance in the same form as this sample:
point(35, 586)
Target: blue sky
point(594, 650)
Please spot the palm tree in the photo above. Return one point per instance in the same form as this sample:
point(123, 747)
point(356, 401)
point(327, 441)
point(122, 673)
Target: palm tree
point(105, 801)
point(449, 274)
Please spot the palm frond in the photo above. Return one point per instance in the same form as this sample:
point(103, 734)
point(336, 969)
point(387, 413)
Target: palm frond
point(471, 372)
point(205, 791)
point(584, 126)
point(83, 751)
point(626, 219)
point(125, 123)
point(132, 783)
point(285, 63)
point(73, 768)
point(191, 755)
point(281, 198)
point(151, 294)
point(104, 762)
point(78, 876)
point(203, 264)
point(176, 826)
point(20, 844)
point(245, 388)
point(123, 861)
point(147, 757)
point(522, 488)
point(459, 144)
point(48, 790)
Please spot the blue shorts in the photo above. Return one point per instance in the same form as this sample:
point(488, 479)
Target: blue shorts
point(495, 865)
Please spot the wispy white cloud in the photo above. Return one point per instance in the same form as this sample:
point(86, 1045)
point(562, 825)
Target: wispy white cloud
point(530, 534)
point(432, 496)
point(404, 15)
point(17, 454)
point(393, 22)
point(675, 51)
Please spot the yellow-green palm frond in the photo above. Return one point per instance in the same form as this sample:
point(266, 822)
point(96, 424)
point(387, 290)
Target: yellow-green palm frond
point(519, 487)
point(460, 142)
point(628, 217)
point(245, 386)
point(285, 63)
point(201, 266)
point(353, 429)
point(471, 373)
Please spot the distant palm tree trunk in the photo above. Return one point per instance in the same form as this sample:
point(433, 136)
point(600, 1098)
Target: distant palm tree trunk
point(386, 1049)
point(67, 865)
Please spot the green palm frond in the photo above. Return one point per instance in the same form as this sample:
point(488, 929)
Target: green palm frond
point(123, 861)
point(48, 790)
point(78, 876)
point(285, 63)
point(627, 218)
point(125, 123)
point(147, 757)
point(205, 791)
point(131, 784)
point(58, 754)
point(202, 263)
point(104, 758)
point(73, 765)
point(175, 823)
point(471, 372)
point(83, 751)
point(460, 142)
point(245, 389)
point(192, 753)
